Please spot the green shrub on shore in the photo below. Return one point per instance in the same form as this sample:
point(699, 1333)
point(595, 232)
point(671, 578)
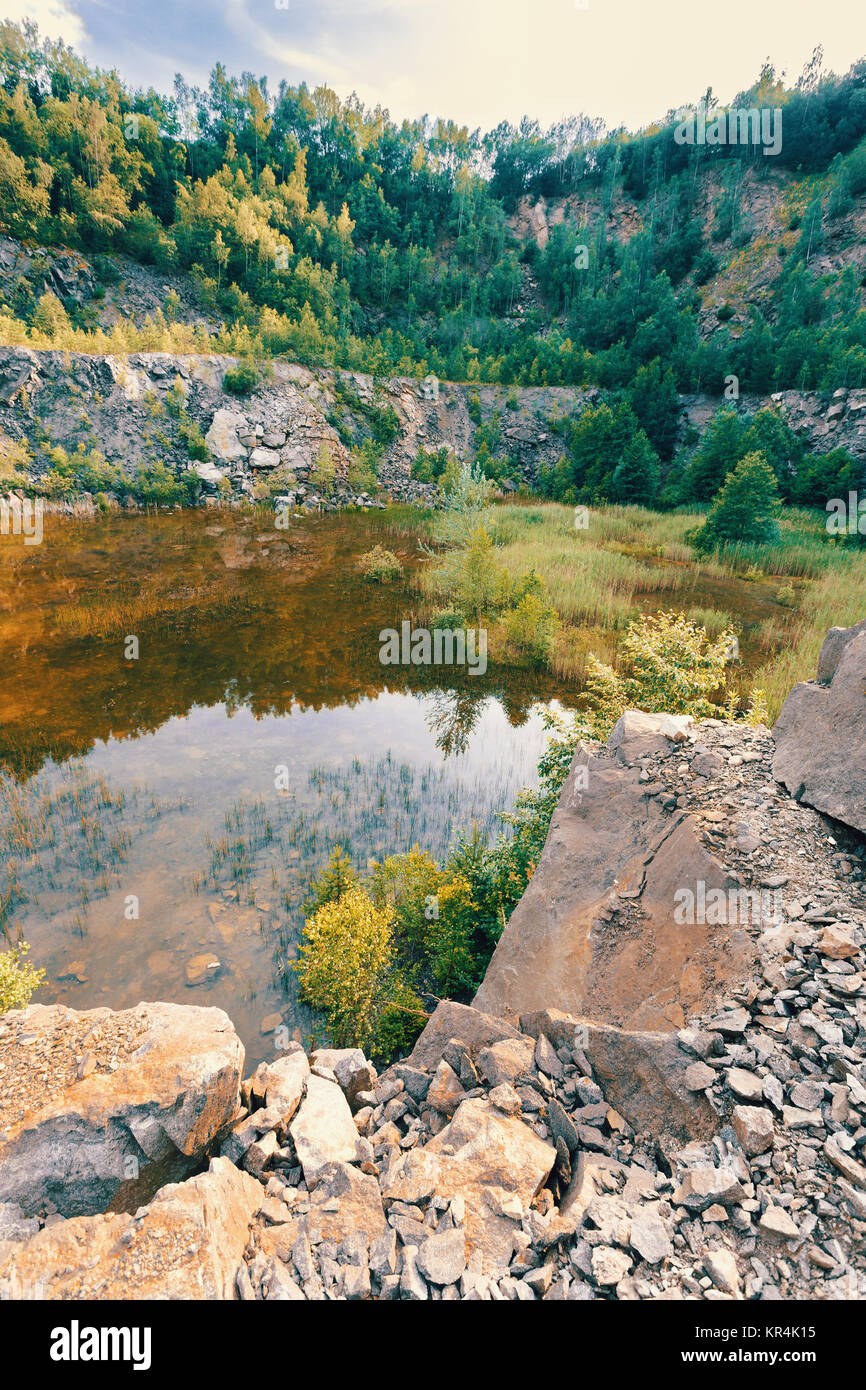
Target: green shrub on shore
point(346, 970)
point(669, 664)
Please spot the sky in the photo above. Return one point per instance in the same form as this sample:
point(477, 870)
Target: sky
point(477, 62)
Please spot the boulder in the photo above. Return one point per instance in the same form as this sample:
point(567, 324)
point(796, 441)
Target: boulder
point(445, 1092)
point(603, 929)
point(497, 1164)
point(187, 1244)
point(646, 1076)
point(821, 732)
point(100, 1109)
point(209, 474)
point(505, 1061)
point(351, 1068)
point(346, 1203)
point(281, 1084)
point(222, 437)
point(323, 1130)
point(477, 1030)
point(264, 459)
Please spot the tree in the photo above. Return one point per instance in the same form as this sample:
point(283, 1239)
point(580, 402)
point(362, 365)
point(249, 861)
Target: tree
point(745, 510)
point(719, 449)
point(656, 404)
point(636, 477)
point(324, 469)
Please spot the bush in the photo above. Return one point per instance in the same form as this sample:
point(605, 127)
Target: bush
point(429, 465)
point(380, 565)
point(155, 485)
point(14, 461)
point(475, 580)
point(346, 969)
point(18, 979)
point(243, 379)
point(434, 918)
point(363, 473)
point(531, 628)
point(274, 484)
point(324, 470)
point(669, 666)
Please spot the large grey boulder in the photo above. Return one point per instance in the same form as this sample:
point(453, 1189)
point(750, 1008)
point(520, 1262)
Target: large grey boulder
point(452, 1020)
point(99, 1109)
point(821, 732)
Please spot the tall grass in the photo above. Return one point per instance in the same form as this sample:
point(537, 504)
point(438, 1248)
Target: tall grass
point(629, 560)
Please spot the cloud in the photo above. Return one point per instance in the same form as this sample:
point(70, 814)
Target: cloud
point(267, 43)
point(54, 17)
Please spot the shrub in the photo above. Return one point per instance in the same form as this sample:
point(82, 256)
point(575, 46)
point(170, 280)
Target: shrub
point(324, 470)
point(434, 917)
point(380, 565)
point(242, 379)
point(531, 628)
point(18, 978)
point(429, 465)
point(669, 665)
point(363, 473)
point(14, 459)
point(346, 969)
point(155, 485)
point(475, 580)
point(274, 484)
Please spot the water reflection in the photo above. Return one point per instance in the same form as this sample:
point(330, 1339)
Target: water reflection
point(143, 822)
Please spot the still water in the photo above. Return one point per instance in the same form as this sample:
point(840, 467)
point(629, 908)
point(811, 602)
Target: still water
point(171, 806)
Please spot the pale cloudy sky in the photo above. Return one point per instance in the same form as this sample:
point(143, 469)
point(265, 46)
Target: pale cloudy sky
point(476, 61)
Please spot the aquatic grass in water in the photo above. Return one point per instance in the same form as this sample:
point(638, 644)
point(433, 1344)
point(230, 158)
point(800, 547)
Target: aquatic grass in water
point(371, 809)
point(62, 836)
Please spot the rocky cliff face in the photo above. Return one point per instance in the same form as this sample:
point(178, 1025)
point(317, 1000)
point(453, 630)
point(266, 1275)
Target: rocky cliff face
point(120, 406)
point(660, 1091)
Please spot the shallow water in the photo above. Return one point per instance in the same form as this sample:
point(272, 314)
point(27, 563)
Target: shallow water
point(174, 805)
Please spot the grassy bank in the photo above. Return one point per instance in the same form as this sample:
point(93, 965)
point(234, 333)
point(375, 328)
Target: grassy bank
point(780, 599)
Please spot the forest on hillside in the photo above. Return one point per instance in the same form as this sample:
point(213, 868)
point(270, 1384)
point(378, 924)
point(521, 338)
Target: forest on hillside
point(321, 229)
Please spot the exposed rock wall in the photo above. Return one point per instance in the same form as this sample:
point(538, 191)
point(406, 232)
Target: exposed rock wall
point(820, 734)
point(118, 405)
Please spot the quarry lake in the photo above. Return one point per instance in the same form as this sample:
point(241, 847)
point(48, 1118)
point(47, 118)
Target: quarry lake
point(162, 813)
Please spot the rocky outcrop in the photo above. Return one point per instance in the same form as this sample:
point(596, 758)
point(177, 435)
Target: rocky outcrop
point(187, 1244)
point(598, 932)
point(100, 1109)
point(121, 407)
point(820, 734)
